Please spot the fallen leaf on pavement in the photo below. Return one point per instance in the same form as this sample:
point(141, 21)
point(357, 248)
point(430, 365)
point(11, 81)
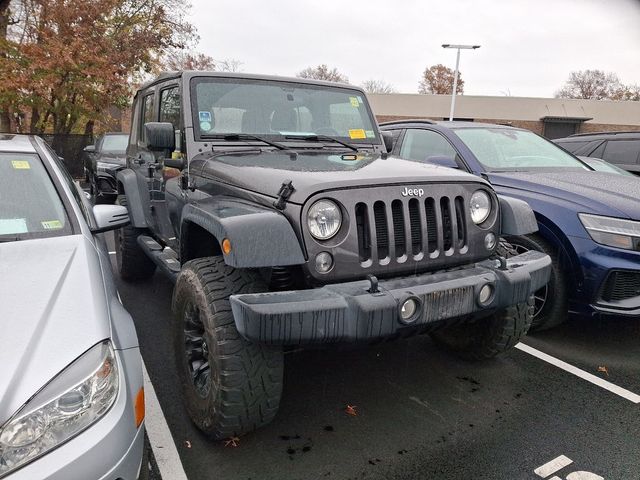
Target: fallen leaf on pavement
point(351, 410)
point(604, 370)
point(187, 443)
point(232, 442)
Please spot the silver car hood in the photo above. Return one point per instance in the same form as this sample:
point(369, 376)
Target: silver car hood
point(52, 309)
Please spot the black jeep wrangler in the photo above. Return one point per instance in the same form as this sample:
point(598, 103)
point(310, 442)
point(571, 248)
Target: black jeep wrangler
point(273, 206)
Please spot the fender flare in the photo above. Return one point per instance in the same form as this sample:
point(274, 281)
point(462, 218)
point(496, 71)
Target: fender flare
point(129, 184)
point(517, 217)
point(259, 236)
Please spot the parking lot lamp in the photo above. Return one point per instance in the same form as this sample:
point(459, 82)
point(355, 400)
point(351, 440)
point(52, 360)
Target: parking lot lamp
point(455, 75)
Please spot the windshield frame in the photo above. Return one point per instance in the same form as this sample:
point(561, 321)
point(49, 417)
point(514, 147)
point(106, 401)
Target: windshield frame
point(194, 81)
point(72, 225)
point(581, 165)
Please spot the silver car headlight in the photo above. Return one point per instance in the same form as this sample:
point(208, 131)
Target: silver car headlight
point(104, 166)
point(614, 232)
point(324, 219)
point(480, 206)
point(77, 397)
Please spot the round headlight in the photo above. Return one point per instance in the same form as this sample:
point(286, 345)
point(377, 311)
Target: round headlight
point(480, 206)
point(324, 219)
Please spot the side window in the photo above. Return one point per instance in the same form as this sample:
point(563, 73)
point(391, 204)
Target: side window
point(170, 106)
point(421, 144)
point(624, 152)
point(147, 113)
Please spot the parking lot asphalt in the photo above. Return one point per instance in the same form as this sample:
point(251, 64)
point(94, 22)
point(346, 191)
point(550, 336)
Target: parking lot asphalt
point(421, 413)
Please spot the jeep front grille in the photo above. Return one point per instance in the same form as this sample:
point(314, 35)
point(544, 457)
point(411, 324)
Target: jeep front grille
point(410, 229)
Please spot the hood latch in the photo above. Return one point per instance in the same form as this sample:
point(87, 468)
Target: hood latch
point(286, 189)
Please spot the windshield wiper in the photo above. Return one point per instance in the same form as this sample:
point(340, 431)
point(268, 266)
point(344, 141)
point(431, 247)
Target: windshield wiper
point(248, 136)
point(9, 239)
point(322, 138)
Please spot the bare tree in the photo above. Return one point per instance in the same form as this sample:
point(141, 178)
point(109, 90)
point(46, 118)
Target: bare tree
point(229, 65)
point(630, 92)
point(377, 86)
point(438, 80)
point(593, 85)
point(322, 72)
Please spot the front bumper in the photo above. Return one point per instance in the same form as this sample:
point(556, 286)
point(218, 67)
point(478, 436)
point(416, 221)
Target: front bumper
point(110, 449)
point(597, 262)
point(348, 312)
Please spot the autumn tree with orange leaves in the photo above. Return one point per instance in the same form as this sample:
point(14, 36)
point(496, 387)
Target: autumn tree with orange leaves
point(64, 62)
point(438, 80)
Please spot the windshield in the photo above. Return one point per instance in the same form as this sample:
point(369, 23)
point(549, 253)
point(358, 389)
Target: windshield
point(505, 149)
point(29, 204)
point(115, 143)
point(280, 109)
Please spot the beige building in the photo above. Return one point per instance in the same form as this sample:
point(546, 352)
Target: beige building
point(551, 117)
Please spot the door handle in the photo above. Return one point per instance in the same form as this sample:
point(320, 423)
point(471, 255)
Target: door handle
point(139, 159)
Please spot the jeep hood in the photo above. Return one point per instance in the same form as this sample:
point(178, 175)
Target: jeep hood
point(311, 172)
point(592, 192)
point(53, 309)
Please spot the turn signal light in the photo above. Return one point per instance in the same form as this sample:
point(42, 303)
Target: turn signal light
point(139, 407)
point(226, 246)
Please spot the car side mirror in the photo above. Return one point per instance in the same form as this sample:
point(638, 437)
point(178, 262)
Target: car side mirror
point(109, 217)
point(442, 161)
point(89, 148)
point(387, 138)
point(159, 136)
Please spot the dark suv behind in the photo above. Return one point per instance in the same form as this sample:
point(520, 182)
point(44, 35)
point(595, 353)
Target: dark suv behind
point(620, 148)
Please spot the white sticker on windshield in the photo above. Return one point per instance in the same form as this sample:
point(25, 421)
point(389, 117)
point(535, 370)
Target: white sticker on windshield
point(206, 126)
point(370, 133)
point(12, 226)
point(204, 116)
point(360, 99)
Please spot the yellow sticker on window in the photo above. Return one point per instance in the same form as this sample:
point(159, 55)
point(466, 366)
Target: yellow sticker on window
point(52, 225)
point(354, 102)
point(20, 164)
point(357, 134)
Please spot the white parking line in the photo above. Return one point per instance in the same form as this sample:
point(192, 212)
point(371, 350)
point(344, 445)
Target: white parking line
point(553, 466)
point(624, 393)
point(164, 449)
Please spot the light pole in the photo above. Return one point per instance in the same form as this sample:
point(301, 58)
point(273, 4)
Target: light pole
point(455, 75)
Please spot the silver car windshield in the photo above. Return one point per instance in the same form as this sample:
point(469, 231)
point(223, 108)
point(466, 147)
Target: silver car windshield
point(279, 110)
point(29, 204)
point(506, 149)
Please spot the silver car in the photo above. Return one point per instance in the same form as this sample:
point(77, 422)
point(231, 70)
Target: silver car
point(71, 387)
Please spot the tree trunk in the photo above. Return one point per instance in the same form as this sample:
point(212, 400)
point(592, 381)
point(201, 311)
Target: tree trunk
point(5, 13)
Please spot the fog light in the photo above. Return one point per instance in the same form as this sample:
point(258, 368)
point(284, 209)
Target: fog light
point(408, 309)
point(489, 241)
point(486, 294)
point(324, 262)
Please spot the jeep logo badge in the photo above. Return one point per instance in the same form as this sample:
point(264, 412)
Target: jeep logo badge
point(412, 192)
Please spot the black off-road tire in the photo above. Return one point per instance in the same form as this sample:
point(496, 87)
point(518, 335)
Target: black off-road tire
point(133, 263)
point(555, 310)
point(245, 379)
point(485, 338)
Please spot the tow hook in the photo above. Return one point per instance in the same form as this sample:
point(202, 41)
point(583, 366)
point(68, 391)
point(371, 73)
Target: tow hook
point(373, 280)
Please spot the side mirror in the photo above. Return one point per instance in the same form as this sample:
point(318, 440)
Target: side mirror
point(387, 138)
point(159, 136)
point(442, 161)
point(89, 148)
point(109, 217)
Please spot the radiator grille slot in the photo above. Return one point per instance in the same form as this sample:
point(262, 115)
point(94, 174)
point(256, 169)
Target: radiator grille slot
point(382, 232)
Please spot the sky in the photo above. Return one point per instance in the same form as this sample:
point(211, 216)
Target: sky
point(528, 47)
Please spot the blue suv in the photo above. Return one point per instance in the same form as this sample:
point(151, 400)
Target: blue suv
point(589, 221)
